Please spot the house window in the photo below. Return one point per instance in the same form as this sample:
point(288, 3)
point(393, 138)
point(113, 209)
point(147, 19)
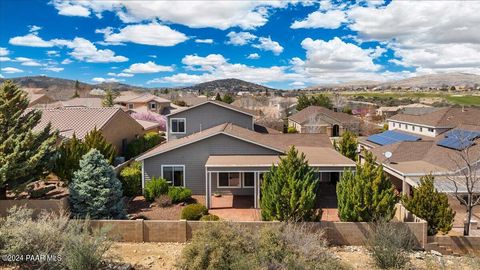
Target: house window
point(248, 179)
point(177, 125)
point(393, 124)
point(430, 130)
point(228, 180)
point(130, 106)
point(153, 105)
point(421, 129)
point(413, 127)
point(174, 174)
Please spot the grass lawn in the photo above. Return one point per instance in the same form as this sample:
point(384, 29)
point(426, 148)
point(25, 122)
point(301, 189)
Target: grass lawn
point(464, 100)
point(454, 99)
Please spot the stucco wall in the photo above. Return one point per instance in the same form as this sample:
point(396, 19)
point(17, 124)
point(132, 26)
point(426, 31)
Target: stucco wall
point(120, 127)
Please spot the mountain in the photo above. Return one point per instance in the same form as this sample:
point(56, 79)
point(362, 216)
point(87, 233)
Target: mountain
point(350, 84)
point(229, 85)
point(64, 89)
point(437, 80)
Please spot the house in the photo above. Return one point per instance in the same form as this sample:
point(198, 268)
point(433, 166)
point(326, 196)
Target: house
point(143, 103)
point(189, 120)
point(316, 119)
point(214, 148)
point(117, 126)
point(415, 108)
point(435, 142)
point(93, 102)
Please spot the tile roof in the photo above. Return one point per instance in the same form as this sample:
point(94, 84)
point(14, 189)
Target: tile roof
point(141, 98)
point(147, 124)
point(78, 120)
point(305, 114)
point(445, 117)
point(83, 102)
point(219, 103)
point(279, 142)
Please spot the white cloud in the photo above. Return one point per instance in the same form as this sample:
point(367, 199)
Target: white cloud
point(24, 61)
point(217, 67)
point(377, 52)
point(104, 80)
point(297, 84)
point(331, 19)
point(121, 74)
point(84, 50)
point(66, 61)
point(206, 41)
point(148, 34)
point(240, 38)
point(267, 44)
point(34, 28)
point(11, 70)
point(253, 56)
point(438, 37)
point(68, 8)
point(4, 51)
point(54, 69)
point(30, 40)
point(53, 53)
point(148, 67)
point(5, 59)
point(194, 14)
point(1, 76)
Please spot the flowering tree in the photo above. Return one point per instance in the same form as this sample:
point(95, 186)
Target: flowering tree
point(152, 117)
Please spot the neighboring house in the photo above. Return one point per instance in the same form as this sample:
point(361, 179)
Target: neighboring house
point(231, 159)
point(143, 103)
point(316, 119)
point(189, 120)
point(117, 126)
point(84, 102)
point(427, 143)
point(38, 100)
point(415, 108)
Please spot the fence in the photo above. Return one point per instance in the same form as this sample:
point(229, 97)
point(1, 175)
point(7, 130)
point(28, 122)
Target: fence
point(55, 206)
point(338, 233)
point(458, 244)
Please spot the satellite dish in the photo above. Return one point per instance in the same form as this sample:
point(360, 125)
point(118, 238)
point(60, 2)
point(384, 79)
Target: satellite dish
point(388, 154)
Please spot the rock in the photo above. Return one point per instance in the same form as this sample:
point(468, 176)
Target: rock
point(153, 205)
point(134, 251)
point(436, 253)
point(419, 255)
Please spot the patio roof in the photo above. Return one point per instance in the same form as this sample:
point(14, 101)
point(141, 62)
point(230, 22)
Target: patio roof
point(316, 156)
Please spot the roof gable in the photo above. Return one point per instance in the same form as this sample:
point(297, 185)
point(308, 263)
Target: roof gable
point(217, 103)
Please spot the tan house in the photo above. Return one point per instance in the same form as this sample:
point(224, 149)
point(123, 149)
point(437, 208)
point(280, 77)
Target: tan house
point(315, 119)
point(144, 103)
point(117, 126)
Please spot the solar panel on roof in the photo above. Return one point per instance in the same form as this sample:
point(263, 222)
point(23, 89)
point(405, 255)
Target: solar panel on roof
point(390, 137)
point(454, 143)
point(463, 134)
point(459, 139)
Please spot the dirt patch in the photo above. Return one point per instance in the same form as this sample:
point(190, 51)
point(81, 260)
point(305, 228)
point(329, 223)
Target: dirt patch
point(139, 207)
point(164, 256)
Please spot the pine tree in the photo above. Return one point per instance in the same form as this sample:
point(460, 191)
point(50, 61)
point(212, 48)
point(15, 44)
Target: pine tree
point(25, 155)
point(77, 88)
point(289, 190)
point(302, 102)
point(347, 145)
point(218, 97)
point(366, 195)
point(108, 98)
point(227, 98)
point(69, 154)
point(431, 205)
point(95, 191)
point(95, 139)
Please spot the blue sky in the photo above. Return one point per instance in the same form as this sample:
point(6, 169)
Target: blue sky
point(284, 44)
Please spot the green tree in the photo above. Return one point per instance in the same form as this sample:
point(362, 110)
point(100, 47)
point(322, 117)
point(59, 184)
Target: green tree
point(366, 195)
point(68, 157)
point(321, 100)
point(77, 88)
point(25, 155)
point(144, 143)
point(431, 205)
point(348, 145)
point(218, 97)
point(302, 102)
point(108, 98)
point(289, 190)
point(227, 98)
point(131, 178)
point(95, 139)
point(95, 191)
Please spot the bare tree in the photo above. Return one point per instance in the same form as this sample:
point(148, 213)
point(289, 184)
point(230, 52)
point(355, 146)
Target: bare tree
point(466, 177)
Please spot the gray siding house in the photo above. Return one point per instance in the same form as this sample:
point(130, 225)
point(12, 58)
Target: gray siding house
point(205, 115)
point(231, 159)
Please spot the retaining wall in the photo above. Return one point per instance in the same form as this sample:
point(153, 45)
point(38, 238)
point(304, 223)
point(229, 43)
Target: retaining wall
point(54, 206)
point(459, 244)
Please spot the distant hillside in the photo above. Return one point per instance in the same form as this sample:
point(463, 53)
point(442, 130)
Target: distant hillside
point(63, 89)
point(350, 84)
point(437, 80)
point(228, 85)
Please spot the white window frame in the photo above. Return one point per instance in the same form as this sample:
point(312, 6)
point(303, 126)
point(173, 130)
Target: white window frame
point(130, 106)
point(226, 187)
point(184, 125)
point(174, 165)
point(150, 105)
point(243, 180)
point(431, 130)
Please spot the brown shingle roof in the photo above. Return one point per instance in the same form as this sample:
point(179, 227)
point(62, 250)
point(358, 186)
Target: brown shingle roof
point(219, 103)
point(304, 115)
point(77, 120)
point(278, 142)
point(446, 117)
point(142, 98)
